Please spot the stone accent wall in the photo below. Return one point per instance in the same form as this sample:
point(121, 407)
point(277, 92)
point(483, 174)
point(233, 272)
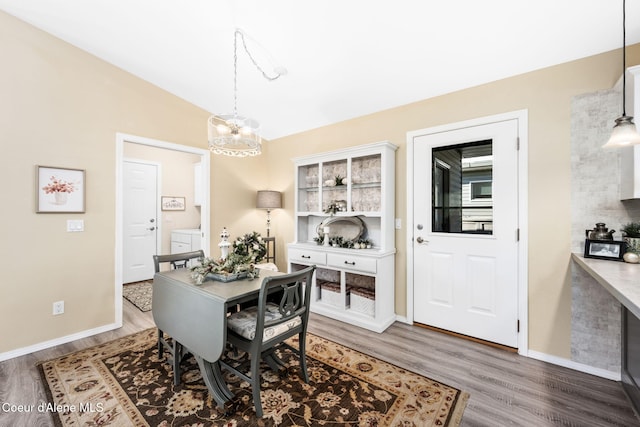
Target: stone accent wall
point(595, 197)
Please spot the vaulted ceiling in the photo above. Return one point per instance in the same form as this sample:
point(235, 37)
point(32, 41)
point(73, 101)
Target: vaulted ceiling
point(345, 58)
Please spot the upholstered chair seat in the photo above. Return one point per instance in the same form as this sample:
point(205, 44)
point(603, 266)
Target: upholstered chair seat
point(244, 322)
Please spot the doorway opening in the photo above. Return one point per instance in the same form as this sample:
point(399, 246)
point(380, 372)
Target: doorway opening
point(150, 223)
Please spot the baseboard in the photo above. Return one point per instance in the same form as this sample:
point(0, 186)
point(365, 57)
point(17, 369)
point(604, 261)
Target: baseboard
point(603, 373)
point(58, 341)
point(403, 319)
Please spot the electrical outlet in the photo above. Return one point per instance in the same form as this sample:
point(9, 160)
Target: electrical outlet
point(58, 308)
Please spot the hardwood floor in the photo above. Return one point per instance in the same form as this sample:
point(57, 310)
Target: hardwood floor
point(506, 389)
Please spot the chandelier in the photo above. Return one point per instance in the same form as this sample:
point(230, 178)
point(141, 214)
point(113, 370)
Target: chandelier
point(232, 134)
point(624, 131)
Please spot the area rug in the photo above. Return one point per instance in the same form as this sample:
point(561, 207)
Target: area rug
point(139, 294)
point(123, 383)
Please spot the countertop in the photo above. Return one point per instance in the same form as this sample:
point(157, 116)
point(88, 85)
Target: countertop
point(621, 279)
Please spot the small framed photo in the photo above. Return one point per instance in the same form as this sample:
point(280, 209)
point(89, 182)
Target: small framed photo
point(60, 190)
point(604, 249)
point(171, 203)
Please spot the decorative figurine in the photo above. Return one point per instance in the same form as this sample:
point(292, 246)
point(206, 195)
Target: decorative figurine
point(224, 243)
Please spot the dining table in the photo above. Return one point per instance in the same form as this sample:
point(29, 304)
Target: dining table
point(195, 315)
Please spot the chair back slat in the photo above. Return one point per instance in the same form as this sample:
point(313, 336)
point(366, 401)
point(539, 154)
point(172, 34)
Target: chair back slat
point(294, 301)
point(178, 260)
point(291, 300)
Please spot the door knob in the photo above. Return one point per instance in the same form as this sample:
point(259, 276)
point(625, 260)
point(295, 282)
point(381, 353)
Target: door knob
point(420, 240)
point(151, 229)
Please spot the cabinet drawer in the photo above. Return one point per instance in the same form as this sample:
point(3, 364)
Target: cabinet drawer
point(350, 262)
point(308, 257)
point(181, 237)
point(178, 247)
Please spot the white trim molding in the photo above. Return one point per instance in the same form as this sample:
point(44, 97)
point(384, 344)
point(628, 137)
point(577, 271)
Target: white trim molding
point(599, 372)
point(58, 341)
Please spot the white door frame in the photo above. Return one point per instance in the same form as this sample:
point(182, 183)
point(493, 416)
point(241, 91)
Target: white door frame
point(522, 117)
point(205, 215)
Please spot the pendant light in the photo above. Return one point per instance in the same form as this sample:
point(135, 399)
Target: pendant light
point(232, 134)
point(624, 132)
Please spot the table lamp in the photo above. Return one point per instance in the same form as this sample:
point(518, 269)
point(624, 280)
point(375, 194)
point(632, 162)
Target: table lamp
point(268, 200)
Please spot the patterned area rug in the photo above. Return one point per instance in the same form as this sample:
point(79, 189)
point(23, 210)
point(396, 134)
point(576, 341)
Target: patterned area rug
point(139, 294)
point(122, 383)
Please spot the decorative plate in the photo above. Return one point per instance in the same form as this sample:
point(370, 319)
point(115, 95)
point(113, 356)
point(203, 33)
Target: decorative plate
point(348, 227)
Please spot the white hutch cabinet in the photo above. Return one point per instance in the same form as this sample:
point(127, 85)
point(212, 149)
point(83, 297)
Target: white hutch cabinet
point(348, 196)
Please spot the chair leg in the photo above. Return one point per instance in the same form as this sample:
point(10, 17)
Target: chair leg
point(303, 357)
point(255, 379)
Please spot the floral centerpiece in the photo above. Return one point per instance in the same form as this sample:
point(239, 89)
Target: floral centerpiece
point(247, 251)
point(251, 246)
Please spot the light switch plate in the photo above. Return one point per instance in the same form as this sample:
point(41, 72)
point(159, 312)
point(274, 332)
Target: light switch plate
point(398, 223)
point(74, 225)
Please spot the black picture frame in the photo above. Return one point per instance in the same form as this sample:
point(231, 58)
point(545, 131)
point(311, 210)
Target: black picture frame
point(612, 250)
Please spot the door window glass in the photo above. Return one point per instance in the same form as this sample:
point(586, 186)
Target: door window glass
point(462, 190)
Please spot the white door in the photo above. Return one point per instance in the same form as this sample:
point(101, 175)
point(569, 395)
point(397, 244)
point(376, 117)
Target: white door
point(140, 224)
point(466, 231)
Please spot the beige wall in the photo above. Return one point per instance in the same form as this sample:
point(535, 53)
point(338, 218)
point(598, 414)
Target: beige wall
point(547, 96)
point(62, 107)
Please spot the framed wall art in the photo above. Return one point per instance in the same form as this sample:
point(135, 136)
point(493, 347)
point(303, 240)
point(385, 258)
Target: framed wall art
point(60, 190)
point(171, 203)
point(604, 249)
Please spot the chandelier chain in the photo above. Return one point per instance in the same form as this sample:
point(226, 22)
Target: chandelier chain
point(235, 76)
point(624, 57)
point(246, 49)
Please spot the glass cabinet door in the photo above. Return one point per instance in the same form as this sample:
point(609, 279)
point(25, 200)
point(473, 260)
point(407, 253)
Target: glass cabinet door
point(308, 188)
point(366, 184)
point(334, 186)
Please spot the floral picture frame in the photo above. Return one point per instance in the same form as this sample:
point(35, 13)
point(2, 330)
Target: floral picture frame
point(60, 190)
point(172, 203)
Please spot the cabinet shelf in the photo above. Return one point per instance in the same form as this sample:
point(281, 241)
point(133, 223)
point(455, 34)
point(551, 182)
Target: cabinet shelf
point(351, 285)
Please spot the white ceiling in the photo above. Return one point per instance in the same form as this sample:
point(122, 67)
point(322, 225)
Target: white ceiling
point(345, 58)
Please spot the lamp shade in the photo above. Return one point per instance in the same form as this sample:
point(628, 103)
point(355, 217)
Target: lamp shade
point(624, 133)
point(269, 199)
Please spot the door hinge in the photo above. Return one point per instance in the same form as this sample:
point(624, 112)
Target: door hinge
point(518, 325)
point(518, 143)
point(517, 234)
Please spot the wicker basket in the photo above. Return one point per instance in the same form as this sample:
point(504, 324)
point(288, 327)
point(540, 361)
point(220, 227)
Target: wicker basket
point(363, 300)
point(330, 293)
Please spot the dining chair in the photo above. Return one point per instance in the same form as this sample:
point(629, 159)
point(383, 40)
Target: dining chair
point(260, 330)
point(175, 261)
